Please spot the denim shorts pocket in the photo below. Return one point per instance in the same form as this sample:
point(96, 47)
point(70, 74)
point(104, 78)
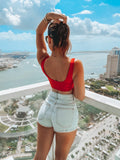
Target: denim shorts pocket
point(64, 116)
point(43, 109)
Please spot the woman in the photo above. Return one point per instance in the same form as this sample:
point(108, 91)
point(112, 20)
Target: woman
point(58, 114)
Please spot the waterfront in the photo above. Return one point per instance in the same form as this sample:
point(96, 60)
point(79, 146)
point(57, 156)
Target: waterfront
point(11, 60)
point(29, 71)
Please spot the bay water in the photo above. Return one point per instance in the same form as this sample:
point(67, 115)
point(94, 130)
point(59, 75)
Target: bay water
point(29, 71)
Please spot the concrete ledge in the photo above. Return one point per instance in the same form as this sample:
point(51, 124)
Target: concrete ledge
point(99, 101)
point(102, 102)
point(24, 90)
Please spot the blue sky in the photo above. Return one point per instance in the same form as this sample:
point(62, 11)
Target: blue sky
point(94, 24)
point(102, 11)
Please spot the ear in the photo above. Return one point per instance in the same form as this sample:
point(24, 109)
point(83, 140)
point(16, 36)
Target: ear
point(49, 39)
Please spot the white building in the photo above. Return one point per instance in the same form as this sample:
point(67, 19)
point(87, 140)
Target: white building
point(8, 158)
point(116, 51)
point(112, 66)
point(113, 63)
point(117, 155)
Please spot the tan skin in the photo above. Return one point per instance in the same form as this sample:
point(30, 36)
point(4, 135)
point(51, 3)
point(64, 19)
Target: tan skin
point(56, 67)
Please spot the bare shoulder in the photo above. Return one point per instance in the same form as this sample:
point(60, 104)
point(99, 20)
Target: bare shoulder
point(78, 66)
point(41, 55)
point(77, 62)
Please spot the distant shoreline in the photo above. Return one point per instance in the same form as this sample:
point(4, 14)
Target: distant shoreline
point(11, 60)
point(91, 52)
point(27, 52)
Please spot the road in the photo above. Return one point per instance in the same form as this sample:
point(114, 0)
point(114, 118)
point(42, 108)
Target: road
point(88, 135)
point(17, 134)
point(19, 144)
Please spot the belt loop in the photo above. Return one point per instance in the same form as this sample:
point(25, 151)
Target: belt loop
point(73, 97)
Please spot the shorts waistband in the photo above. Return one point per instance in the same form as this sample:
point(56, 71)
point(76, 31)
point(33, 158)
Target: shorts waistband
point(60, 98)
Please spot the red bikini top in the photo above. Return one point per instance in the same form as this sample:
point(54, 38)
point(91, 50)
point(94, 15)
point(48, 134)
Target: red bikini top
point(65, 85)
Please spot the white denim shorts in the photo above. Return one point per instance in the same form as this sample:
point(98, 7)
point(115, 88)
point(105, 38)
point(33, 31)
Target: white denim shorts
point(60, 112)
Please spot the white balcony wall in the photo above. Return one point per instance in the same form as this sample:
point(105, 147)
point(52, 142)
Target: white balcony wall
point(99, 101)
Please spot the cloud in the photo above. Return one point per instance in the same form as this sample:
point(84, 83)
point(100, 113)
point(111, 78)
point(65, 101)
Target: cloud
point(84, 43)
point(116, 15)
point(25, 14)
point(57, 11)
point(103, 4)
point(16, 37)
point(85, 27)
point(12, 18)
point(82, 12)
point(89, 27)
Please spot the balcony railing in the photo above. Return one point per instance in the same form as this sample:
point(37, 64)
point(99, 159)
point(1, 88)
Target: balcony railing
point(99, 101)
point(104, 103)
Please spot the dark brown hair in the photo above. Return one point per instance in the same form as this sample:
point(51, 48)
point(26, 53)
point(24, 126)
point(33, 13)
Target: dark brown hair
point(60, 32)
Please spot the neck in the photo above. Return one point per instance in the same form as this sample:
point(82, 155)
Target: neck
point(58, 53)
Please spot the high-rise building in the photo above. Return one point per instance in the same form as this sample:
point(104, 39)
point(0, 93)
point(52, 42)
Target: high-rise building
point(112, 66)
point(116, 51)
point(113, 63)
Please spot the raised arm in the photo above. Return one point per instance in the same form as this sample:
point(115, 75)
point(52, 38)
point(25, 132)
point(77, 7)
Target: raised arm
point(40, 41)
point(79, 86)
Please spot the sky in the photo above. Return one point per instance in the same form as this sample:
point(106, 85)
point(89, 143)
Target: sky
point(94, 24)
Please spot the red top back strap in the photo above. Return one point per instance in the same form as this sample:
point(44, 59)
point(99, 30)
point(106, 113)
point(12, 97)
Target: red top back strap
point(65, 85)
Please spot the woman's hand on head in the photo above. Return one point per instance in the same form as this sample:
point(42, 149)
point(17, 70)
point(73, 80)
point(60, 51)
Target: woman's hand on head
point(56, 17)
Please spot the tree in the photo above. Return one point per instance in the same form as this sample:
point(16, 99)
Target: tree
point(83, 148)
point(119, 127)
point(105, 157)
point(104, 131)
point(117, 119)
point(90, 143)
point(93, 138)
point(44, 94)
point(86, 145)
point(99, 133)
point(87, 119)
